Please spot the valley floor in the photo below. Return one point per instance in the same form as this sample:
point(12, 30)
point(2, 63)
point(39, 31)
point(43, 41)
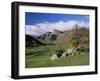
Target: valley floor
point(40, 57)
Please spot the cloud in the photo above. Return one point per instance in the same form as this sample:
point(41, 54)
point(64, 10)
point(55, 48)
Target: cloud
point(42, 28)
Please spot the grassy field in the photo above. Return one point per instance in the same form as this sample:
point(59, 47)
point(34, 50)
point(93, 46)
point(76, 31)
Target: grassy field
point(40, 57)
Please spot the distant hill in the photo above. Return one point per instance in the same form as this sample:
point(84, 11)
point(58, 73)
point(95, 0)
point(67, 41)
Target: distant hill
point(68, 37)
point(32, 41)
point(63, 37)
point(50, 37)
point(59, 37)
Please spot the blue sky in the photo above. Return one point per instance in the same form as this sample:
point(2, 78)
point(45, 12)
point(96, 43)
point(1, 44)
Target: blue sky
point(34, 18)
point(40, 23)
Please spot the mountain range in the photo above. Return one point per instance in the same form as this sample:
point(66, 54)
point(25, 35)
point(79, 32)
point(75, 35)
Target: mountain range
point(55, 37)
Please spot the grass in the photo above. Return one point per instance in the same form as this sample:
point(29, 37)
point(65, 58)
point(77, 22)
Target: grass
point(40, 57)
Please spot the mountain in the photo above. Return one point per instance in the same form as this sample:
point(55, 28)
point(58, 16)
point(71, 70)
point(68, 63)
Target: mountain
point(32, 41)
point(44, 37)
point(71, 37)
point(67, 36)
point(50, 37)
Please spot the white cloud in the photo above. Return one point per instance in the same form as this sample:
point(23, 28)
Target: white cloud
point(41, 28)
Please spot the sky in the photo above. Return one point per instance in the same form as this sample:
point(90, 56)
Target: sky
point(40, 23)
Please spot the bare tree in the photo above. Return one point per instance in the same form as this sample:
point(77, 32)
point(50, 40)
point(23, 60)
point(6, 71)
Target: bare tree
point(76, 36)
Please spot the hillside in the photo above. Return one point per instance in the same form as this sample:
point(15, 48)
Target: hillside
point(50, 37)
point(43, 47)
point(58, 37)
point(31, 41)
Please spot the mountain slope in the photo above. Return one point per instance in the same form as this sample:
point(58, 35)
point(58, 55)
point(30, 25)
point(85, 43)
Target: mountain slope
point(50, 37)
point(31, 41)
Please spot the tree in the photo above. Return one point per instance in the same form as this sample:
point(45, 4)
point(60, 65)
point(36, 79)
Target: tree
point(76, 36)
